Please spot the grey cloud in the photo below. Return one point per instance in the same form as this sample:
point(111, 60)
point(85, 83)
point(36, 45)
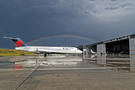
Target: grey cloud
point(103, 10)
point(93, 9)
point(32, 19)
point(61, 8)
point(126, 5)
point(112, 11)
point(112, 8)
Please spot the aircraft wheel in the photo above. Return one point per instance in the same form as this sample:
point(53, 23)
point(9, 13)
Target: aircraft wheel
point(45, 55)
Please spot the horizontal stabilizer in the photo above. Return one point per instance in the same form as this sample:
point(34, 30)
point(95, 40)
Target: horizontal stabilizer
point(8, 37)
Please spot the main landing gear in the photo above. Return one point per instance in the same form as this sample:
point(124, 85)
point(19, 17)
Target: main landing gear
point(45, 55)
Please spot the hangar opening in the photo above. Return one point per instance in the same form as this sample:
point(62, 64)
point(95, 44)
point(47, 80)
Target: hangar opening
point(118, 47)
point(92, 49)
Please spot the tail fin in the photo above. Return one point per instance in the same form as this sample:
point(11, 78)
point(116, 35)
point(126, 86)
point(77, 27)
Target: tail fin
point(92, 51)
point(18, 42)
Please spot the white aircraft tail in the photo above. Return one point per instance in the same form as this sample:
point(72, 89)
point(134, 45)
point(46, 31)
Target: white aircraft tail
point(92, 51)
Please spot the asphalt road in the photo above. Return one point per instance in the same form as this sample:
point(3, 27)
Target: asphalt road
point(43, 74)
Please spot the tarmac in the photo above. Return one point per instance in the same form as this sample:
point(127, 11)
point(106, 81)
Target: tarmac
point(66, 73)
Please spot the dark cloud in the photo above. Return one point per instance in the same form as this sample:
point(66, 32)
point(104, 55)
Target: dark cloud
point(95, 19)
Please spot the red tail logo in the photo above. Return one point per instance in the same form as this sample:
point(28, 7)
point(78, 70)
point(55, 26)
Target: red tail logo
point(18, 43)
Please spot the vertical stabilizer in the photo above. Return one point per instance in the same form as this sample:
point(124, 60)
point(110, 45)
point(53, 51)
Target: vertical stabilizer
point(18, 42)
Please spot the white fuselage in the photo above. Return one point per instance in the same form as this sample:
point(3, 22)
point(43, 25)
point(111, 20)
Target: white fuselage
point(42, 49)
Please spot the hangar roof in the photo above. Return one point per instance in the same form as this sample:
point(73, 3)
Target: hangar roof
point(113, 40)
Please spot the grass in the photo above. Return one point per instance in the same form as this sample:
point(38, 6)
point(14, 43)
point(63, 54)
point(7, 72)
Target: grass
point(11, 52)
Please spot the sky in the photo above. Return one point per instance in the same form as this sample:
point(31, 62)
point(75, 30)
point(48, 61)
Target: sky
point(87, 21)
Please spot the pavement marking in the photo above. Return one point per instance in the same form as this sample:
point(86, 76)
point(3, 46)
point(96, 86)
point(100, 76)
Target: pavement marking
point(26, 78)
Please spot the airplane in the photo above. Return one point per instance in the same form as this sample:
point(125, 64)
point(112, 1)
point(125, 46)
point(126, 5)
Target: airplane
point(20, 45)
point(92, 51)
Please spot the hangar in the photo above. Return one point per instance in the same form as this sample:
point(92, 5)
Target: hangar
point(120, 45)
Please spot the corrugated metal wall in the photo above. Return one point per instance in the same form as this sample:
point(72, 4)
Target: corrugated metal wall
point(132, 45)
point(101, 49)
